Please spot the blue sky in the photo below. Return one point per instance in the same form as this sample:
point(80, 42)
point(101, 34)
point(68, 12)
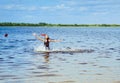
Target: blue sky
point(61, 11)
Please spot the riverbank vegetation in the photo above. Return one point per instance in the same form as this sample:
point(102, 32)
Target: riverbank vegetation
point(65, 25)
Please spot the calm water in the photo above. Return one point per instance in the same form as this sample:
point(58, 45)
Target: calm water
point(20, 63)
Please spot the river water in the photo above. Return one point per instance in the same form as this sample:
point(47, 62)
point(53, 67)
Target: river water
point(20, 63)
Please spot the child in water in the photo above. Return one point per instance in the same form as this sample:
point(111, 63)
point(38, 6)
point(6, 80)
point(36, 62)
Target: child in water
point(46, 40)
point(6, 35)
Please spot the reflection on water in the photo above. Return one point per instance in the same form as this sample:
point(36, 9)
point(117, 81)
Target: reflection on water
point(93, 55)
point(46, 56)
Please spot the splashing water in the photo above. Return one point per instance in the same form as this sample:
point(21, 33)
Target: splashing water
point(39, 48)
point(42, 48)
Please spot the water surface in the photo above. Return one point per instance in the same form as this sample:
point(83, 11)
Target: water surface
point(20, 63)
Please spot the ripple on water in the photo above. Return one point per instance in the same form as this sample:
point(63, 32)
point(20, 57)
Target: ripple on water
point(103, 66)
point(98, 74)
point(31, 39)
point(8, 47)
point(68, 81)
point(42, 67)
point(9, 62)
point(83, 63)
point(118, 59)
point(36, 72)
point(11, 57)
point(7, 76)
point(47, 75)
point(1, 59)
point(112, 49)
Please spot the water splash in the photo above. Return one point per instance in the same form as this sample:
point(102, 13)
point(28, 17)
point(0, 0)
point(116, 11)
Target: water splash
point(39, 48)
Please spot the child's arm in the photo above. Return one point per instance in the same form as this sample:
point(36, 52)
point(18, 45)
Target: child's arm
point(34, 34)
point(52, 40)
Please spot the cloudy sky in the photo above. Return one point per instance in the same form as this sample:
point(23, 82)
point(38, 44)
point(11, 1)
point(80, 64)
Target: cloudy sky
point(60, 11)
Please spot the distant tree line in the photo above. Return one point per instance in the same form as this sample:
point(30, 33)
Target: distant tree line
point(46, 24)
point(22, 24)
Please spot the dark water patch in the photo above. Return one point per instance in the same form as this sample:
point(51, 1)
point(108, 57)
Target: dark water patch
point(7, 76)
point(47, 75)
point(15, 65)
point(9, 62)
point(84, 71)
point(36, 72)
point(103, 67)
point(12, 41)
point(68, 48)
point(19, 40)
point(11, 57)
point(62, 59)
point(19, 53)
point(83, 46)
point(54, 71)
point(118, 59)
point(9, 47)
point(117, 56)
point(95, 65)
point(2, 40)
point(1, 71)
point(15, 78)
point(98, 74)
point(103, 47)
point(42, 67)
point(2, 78)
point(27, 50)
point(83, 63)
point(31, 39)
point(79, 41)
point(31, 69)
point(87, 51)
point(106, 57)
point(96, 48)
point(111, 49)
point(71, 53)
point(1, 59)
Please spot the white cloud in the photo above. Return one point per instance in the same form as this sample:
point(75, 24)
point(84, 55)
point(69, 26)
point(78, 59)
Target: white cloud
point(6, 7)
point(12, 7)
point(69, 5)
point(63, 7)
point(45, 8)
point(83, 8)
point(33, 8)
point(29, 16)
point(99, 13)
point(56, 7)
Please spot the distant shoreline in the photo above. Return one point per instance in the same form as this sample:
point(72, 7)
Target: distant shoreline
point(58, 25)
